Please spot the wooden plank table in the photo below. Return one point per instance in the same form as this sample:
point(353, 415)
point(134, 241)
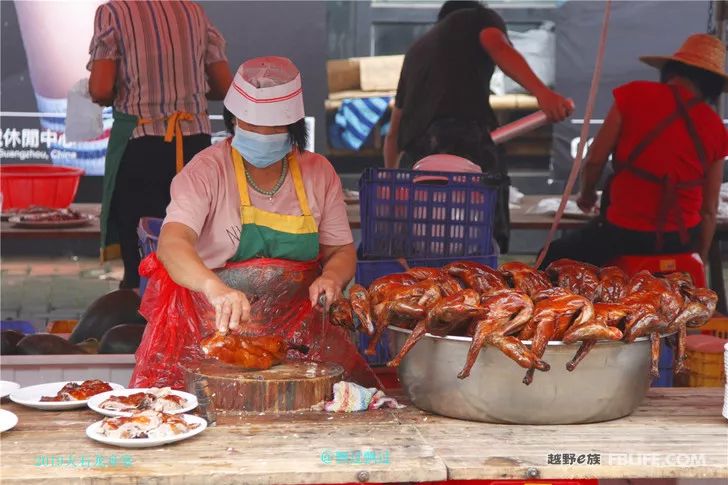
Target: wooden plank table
point(675, 433)
point(89, 231)
point(521, 219)
point(93, 230)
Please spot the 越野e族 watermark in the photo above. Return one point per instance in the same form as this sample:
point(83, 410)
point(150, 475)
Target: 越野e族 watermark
point(628, 459)
point(574, 459)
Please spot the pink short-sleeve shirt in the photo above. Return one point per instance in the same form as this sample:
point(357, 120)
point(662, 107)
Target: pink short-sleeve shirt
point(205, 197)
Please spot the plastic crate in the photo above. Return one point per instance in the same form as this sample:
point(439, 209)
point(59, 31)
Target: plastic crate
point(666, 377)
point(452, 217)
point(148, 232)
point(382, 355)
point(21, 326)
point(369, 270)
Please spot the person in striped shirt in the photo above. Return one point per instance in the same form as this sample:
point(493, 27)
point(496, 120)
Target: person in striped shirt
point(157, 64)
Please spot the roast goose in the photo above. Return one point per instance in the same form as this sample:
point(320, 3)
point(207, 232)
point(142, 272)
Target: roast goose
point(518, 309)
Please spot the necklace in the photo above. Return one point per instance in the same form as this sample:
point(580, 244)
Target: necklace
point(270, 193)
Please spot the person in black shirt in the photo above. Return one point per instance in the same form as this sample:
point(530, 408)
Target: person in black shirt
point(442, 103)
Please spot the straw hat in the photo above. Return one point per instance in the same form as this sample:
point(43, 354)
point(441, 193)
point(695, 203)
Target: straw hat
point(699, 50)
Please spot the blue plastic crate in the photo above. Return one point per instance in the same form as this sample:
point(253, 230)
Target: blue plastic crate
point(21, 326)
point(666, 377)
point(369, 270)
point(383, 353)
point(405, 216)
point(148, 232)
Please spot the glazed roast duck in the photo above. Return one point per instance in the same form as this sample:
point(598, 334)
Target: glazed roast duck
point(518, 309)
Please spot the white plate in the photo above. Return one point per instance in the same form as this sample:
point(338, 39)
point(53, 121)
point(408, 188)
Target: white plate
point(30, 396)
point(7, 387)
point(93, 433)
point(8, 420)
point(95, 401)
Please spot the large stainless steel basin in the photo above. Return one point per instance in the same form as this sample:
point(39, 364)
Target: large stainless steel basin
point(609, 383)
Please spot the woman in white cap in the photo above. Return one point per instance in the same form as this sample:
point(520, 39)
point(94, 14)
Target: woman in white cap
point(256, 217)
point(668, 148)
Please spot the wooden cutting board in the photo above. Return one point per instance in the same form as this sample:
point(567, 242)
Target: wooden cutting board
point(291, 386)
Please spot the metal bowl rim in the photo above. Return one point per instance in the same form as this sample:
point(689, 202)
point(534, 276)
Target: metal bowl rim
point(552, 343)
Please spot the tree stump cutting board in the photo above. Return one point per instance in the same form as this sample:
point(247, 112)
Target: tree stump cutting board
point(291, 386)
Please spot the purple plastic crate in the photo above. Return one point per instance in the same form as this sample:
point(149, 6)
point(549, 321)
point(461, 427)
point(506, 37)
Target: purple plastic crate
point(405, 216)
point(666, 378)
point(148, 232)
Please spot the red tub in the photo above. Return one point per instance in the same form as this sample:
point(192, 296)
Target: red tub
point(43, 185)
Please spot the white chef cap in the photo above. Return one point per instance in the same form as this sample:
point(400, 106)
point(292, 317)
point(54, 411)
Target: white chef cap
point(266, 91)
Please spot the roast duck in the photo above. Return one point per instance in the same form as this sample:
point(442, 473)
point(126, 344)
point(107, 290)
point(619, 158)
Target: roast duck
point(251, 353)
point(569, 301)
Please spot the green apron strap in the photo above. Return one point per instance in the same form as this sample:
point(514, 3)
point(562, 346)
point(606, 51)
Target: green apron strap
point(121, 132)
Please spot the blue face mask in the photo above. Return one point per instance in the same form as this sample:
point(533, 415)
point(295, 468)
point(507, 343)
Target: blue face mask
point(261, 150)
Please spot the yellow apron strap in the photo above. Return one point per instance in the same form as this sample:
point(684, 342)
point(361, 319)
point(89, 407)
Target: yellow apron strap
point(240, 176)
point(174, 130)
point(298, 183)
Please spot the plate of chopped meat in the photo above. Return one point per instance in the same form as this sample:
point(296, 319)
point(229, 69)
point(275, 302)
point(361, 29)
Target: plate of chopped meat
point(125, 402)
point(58, 396)
point(32, 210)
point(146, 429)
point(53, 219)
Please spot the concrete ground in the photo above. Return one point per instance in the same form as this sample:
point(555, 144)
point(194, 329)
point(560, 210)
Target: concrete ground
point(39, 289)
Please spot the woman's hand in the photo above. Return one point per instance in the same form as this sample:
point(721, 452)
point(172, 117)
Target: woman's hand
point(587, 201)
point(326, 285)
point(231, 306)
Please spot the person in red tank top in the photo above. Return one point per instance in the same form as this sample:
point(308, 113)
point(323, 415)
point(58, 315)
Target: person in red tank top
point(667, 147)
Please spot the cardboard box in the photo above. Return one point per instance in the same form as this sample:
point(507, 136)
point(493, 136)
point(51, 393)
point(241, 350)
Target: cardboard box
point(380, 73)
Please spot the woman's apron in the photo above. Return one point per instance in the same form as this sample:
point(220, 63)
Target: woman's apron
point(274, 265)
point(669, 188)
point(121, 131)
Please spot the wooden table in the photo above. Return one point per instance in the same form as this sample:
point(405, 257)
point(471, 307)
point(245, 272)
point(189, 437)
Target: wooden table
point(90, 231)
point(93, 230)
point(521, 219)
point(676, 433)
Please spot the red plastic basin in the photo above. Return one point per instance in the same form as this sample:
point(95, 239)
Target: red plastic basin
point(43, 185)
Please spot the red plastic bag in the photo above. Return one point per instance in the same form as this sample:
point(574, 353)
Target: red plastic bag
point(278, 293)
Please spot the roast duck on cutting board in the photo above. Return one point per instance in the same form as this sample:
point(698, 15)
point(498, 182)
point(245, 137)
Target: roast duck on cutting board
point(250, 353)
point(518, 309)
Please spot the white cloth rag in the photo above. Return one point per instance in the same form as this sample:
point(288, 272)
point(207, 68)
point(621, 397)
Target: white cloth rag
point(350, 397)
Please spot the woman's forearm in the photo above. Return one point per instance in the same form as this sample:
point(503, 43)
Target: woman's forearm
point(340, 265)
point(179, 256)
